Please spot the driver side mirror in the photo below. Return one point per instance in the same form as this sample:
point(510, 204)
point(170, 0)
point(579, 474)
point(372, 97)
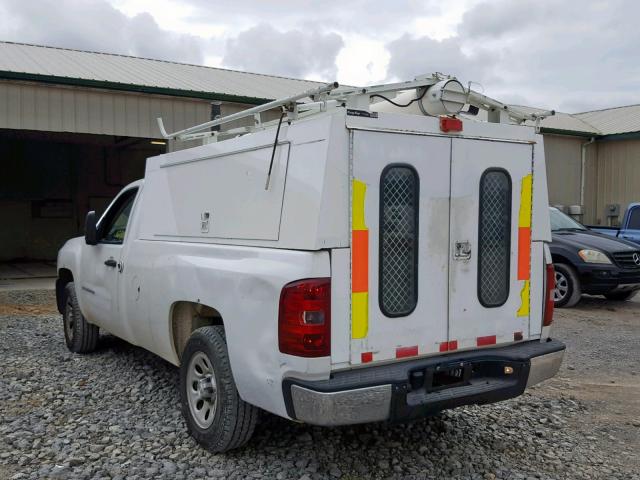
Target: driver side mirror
point(91, 229)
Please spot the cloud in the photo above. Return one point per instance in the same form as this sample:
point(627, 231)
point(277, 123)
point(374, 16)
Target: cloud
point(95, 25)
point(412, 56)
point(572, 55)
point(294, 53)
point(147, 39)
point(493, 19)
point(361, 16)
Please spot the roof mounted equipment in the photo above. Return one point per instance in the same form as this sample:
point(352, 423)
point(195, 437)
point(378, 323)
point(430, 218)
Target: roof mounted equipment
point(435, 95)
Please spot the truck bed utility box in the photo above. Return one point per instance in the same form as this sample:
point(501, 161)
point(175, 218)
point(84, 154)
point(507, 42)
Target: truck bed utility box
point(343, 265)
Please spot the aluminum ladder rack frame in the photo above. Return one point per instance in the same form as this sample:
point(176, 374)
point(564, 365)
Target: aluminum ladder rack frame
point(331, 96)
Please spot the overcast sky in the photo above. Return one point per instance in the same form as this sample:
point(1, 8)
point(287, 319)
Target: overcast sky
point(571, 55)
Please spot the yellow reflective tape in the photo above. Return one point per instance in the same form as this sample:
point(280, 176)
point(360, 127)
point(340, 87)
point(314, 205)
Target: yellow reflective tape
point(359, 300)
point(523, 311)
point(359, 314)
point(526, 189)
point(357, 209)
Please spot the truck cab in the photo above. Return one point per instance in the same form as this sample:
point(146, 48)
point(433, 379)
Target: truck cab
point(629, 229)
point(343, 266)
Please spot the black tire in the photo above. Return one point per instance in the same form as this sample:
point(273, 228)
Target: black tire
point(234, 420)
point(568, 291)
point(79, 335)
point(620, 296)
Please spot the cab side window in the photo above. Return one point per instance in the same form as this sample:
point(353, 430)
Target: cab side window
point(634, 219)
point(116, 219)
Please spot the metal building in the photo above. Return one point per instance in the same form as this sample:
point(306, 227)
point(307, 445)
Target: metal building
point(76, 126)
point(593, 162)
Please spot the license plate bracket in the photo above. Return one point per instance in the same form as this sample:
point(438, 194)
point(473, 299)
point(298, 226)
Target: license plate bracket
point(449, 375)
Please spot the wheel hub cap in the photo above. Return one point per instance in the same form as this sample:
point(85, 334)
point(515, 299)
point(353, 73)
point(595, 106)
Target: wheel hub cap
point(201, 390)
point(562, 287)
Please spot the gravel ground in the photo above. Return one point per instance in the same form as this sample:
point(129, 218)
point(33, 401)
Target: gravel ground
point(115, 414)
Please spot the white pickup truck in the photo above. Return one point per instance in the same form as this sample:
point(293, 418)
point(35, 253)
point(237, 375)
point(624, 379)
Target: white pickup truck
point(340, 267)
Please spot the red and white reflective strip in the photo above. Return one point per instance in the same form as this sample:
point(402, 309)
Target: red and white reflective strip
point(366, 357)
point(440, 347)
point(484, 341)
point(449, 346)
point(404, 352)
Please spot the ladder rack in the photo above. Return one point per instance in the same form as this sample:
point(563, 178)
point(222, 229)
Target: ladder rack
point(332, 96)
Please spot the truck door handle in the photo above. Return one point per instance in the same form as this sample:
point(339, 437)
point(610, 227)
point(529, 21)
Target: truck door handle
point(462, 251)
point(110, 263)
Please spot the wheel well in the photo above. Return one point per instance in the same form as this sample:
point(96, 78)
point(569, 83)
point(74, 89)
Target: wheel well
point(557, 258)
point(186, 317)
point(64, 276)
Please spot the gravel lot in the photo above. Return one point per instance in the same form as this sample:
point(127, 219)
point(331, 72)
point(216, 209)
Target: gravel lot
point(115, 414)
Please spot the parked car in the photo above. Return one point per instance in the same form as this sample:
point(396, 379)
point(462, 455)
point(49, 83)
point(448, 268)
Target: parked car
point(590, 262)
point(630, 227)
point(308, 274)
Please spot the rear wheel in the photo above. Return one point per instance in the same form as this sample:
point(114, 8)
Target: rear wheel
point(620, 296)
point(216, 416)
point(567, 292)
point(79, 335)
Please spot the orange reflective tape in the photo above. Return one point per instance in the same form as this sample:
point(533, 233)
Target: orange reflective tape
point(524, 253)
point(360, 261)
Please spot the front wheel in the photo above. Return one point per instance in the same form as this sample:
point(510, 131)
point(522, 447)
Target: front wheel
point(567, 292)
point(216, 416)
point(620, 296)
point(79, 335)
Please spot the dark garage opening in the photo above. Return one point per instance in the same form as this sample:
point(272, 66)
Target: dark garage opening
point(49, 181)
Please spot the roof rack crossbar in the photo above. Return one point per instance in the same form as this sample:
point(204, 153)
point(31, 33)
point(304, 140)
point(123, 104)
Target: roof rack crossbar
point(288, 102)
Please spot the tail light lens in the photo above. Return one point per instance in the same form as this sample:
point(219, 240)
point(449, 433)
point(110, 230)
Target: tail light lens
point(548, 299)
point(304, 322)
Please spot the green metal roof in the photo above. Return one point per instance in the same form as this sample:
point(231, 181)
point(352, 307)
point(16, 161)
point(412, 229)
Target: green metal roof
point(119, 72)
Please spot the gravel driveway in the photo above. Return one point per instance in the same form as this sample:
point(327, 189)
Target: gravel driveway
point(115, 414)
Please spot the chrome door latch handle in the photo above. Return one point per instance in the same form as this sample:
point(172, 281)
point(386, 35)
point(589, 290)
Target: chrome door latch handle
point(110, 262)
point(462, 251)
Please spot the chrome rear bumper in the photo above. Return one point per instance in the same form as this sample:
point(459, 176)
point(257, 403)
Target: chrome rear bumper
point(544, 367)
point(389, 392)
point(362, 405)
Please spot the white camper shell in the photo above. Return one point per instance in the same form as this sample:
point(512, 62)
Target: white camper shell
point(359, 266)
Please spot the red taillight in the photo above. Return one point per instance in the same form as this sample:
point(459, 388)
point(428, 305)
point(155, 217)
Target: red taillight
point(450, 124)
point(548, 299)
point(304, 322)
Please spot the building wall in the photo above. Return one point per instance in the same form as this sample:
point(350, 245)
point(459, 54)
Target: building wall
point(614, 177)
point(231, 108)
point(590, 184)
point(562, 154)
point(50, 181)
point(612, 174)
point(53, 108)
point(66, 150)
